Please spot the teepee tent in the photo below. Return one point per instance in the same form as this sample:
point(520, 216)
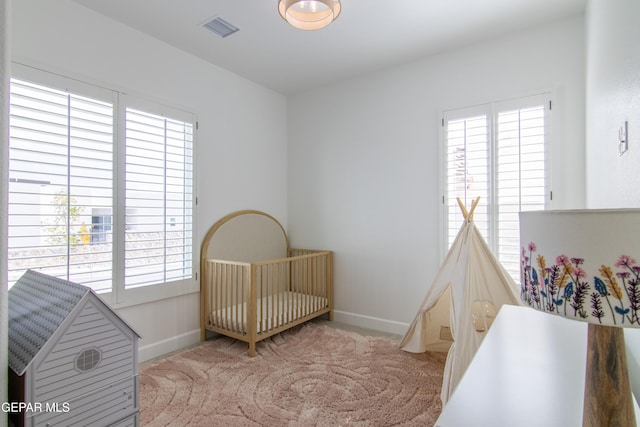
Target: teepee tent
point(465, 296)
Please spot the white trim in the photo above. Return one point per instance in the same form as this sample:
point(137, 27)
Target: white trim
point(142, 295)
point(442, 180)
point(191, 338)
point(39, 67)
point(169, 345)
point(5, 75)
point(369, 322)
point(62, 83)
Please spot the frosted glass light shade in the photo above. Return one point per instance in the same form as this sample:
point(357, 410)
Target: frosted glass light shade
point(309, 14)
point(582, 264)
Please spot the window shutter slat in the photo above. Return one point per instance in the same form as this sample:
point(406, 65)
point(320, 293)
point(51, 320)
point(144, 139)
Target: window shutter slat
point(158, 188)
point(60, 172)
point(467, 165)
point(520, 146)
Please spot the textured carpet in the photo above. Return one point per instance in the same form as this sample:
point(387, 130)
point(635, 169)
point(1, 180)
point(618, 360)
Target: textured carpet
point(312, 375)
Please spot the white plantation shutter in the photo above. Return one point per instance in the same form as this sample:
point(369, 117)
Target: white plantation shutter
point(158, 200)
point(100, 193)
point(60, 179)
point(521, 184)
point(497, 152)
point(467, 165)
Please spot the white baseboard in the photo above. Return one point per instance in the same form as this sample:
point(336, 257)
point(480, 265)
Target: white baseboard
point(160, 348)
point(188, 339)
point(368, 322)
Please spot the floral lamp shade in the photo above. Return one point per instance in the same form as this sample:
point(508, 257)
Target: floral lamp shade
point(583, 265)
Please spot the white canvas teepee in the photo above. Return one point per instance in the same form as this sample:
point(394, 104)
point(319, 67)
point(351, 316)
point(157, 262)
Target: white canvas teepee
point(465, 296)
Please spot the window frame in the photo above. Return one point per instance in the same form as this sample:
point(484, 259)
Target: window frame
point(118, 296)
point(491, 109)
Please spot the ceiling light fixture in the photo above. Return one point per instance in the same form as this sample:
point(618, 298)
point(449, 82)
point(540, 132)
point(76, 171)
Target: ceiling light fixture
point(309, 14)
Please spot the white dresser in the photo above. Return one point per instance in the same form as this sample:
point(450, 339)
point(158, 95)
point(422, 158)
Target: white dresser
point(528, 372)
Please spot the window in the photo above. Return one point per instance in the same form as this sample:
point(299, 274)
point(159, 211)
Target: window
point(60, 169)
point(109, 209)
point(88, 360)
point(497, 152)
point(159, 188)
point(100, 225)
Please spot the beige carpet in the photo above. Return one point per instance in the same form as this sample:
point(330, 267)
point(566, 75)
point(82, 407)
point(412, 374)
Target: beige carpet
point(312, 375)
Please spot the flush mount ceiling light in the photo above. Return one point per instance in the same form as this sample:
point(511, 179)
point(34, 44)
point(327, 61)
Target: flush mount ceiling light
point(309, 14)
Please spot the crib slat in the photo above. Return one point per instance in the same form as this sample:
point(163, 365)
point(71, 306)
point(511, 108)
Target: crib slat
point(284, 280)
point(221, 295)
point(312, 290)
point(260, 285)
point(228, 306)
point(220, 300)
point(210, 304)
point(276, 298)
point(257, 279)
point(242, 300)
point(265, 301)
point(273, 295)
point(217, 293)
point(288, 288)
point(208, 295)
point(310, 284)
point(304, 286)
point(251, 311)
point(232, 307)
point(269, 298)
point(234, 298)
point(239, 300)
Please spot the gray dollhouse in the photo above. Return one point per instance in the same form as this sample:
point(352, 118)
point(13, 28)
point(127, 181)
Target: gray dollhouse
point(72, 359)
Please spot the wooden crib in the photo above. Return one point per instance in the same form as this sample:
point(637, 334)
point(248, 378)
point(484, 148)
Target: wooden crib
point(253, 285)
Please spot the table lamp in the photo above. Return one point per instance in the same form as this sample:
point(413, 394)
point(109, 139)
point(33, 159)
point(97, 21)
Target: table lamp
point(585, 265)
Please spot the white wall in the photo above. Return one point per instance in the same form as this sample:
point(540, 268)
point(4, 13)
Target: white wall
point(364, 166)
point(613, 96)
point(241, 143)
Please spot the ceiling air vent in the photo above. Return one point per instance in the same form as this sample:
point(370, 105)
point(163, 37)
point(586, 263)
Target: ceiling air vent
point(220, 27)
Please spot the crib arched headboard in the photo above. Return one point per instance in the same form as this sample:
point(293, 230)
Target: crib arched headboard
point(246, 236)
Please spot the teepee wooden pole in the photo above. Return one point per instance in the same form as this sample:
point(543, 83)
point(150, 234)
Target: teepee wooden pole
point(468, 215)
point(473, 207)
point(465, 214)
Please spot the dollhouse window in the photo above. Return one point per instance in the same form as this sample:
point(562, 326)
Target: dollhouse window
point(88, 360)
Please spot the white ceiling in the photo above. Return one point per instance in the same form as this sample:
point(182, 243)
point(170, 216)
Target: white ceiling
point(368, 35)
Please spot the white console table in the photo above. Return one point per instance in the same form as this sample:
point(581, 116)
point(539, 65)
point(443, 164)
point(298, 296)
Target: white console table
point(528, 372)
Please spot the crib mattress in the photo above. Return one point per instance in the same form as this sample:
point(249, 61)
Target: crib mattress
point(273, 311)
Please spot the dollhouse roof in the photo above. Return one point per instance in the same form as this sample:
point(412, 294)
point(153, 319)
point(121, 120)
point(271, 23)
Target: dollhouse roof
point(38, 305)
